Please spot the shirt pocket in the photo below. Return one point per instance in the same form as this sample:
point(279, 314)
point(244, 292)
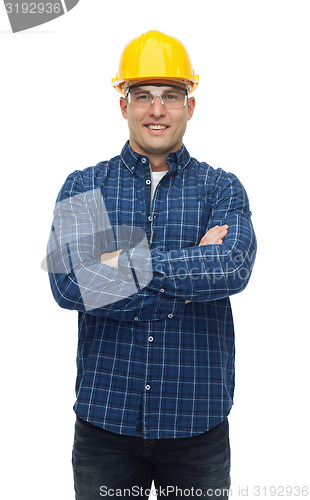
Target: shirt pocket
point(185, 225)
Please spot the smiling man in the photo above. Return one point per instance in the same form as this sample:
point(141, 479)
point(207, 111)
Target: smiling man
point(148, 247)
point(157, 118)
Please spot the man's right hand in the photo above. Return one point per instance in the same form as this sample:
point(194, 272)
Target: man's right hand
point(110, 259)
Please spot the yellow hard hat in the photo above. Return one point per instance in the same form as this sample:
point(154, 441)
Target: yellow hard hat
point(155, 55)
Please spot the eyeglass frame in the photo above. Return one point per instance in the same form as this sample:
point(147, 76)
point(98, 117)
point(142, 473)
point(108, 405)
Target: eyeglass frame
point(137, 85)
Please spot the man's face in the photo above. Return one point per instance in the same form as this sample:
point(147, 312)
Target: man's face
point(144, 137)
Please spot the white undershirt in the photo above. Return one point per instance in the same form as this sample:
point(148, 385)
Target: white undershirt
point(156, 176)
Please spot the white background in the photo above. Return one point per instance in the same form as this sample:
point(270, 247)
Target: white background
point(59, 113)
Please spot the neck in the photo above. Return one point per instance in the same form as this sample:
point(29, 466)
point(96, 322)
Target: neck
point(158, 162)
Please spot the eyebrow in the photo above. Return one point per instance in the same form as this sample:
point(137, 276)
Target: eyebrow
point(137, 86)
point(139, 89)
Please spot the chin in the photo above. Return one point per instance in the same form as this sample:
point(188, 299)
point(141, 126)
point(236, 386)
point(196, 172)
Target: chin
point(157, 147)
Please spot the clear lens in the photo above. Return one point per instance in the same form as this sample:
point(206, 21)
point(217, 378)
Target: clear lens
point(171, 97)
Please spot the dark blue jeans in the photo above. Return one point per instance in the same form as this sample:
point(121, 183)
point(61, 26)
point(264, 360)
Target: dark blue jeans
point(112, 465)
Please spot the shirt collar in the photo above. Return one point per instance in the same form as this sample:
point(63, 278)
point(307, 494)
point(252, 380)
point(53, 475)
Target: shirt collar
point(176, 161)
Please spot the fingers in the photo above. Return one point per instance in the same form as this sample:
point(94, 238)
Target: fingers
point(225, 226)
point(223, 230)
point(215, 235)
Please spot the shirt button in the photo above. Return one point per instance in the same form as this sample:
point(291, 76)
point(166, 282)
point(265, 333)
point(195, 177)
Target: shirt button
point(151, 338)
point(150, 218)
point(132, 168)
point(147, 181)
point(147, 387)
point(144, 160)
point(162, 290)
point(136, 318)
point(170, 315)
point(179, 167)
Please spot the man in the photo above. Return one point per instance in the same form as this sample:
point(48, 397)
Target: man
point(148, 247)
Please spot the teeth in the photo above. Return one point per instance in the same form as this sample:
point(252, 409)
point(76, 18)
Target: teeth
point(156, 127)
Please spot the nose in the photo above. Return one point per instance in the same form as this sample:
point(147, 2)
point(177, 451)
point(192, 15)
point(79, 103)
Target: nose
point(157, 107)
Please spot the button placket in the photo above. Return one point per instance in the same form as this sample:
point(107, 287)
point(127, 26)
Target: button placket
point(148, 377)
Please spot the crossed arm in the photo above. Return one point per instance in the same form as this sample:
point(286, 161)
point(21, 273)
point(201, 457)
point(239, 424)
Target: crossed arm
point(214, 236)
point(218, 267)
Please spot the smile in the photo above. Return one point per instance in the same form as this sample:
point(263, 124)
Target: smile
point(157, 127)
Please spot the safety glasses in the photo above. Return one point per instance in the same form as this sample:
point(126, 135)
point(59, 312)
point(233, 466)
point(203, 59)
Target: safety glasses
point(172, 97)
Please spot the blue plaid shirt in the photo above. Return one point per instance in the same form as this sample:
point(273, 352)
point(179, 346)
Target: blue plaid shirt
point(149, 364)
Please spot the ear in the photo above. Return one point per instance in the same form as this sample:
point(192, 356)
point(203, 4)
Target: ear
point(190, 107)
point(123, 106)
